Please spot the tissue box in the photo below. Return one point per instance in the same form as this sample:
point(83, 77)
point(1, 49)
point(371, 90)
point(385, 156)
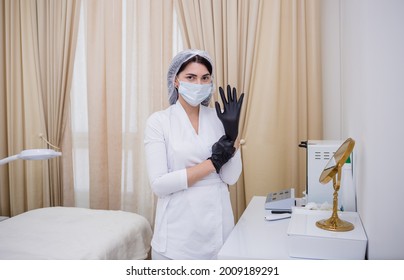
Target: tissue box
point(306, 240)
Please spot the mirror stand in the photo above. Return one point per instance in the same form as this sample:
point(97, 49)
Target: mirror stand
point(334, 223)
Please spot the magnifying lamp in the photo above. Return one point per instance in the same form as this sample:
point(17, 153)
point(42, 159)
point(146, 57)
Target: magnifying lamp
point(332, 171)
point(32, 154)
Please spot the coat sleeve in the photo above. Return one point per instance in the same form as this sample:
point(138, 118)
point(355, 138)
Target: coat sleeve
point(162, 181)
point(231, 171)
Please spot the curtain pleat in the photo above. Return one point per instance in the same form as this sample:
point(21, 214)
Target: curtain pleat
point(4, 178)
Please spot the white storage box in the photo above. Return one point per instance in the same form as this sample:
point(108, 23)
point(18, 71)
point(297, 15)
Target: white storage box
point(306, 240)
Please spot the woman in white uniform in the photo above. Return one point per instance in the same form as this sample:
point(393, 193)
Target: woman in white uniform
point(191, 159)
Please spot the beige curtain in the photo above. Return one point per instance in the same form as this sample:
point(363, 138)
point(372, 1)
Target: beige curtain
point(104, 87)
point(101, 22)
point(128, 46)
point(149, 50)
point(270, 51)
point(37, 58)
point(284, 103)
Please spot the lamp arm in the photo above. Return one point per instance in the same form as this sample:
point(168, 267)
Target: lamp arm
point(8, 159)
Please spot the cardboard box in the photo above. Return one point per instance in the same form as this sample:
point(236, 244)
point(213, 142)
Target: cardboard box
point(306, 240)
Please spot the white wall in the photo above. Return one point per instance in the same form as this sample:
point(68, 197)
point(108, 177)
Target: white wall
point(330, 43)
point(370, 74)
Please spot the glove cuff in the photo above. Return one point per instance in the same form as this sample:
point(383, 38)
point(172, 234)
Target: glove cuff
point(215, 164)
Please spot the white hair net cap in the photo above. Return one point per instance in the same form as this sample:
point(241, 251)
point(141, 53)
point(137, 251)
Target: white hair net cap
point(176, 64)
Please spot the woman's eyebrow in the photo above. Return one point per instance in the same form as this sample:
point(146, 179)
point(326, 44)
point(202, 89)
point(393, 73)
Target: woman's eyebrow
point(194, 75)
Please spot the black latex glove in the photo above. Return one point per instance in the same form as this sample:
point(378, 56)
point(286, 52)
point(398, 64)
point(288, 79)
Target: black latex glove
point(230, 116)
point(222, 151)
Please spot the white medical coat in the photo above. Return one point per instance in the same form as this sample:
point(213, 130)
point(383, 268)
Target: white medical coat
point(192, 222)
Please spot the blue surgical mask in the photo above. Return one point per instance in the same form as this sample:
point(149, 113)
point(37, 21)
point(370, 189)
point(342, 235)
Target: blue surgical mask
point(194, 94)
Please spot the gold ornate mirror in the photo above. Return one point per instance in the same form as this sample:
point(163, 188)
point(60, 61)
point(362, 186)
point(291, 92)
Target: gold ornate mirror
point(333, 171)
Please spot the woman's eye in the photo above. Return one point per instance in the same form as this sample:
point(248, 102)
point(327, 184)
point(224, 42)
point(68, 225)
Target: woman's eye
point(190, 78)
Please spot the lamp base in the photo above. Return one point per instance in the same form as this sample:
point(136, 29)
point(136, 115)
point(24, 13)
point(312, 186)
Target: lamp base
point(335, 224)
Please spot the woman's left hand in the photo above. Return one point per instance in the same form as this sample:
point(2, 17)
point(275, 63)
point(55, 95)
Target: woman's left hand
point(230, 116)
point(222, 151)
